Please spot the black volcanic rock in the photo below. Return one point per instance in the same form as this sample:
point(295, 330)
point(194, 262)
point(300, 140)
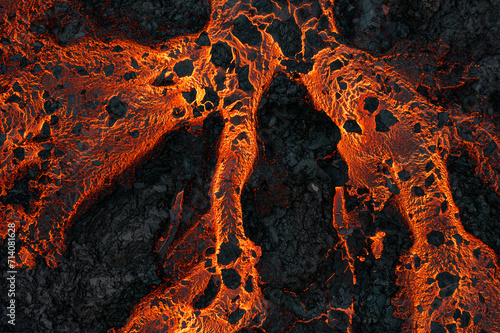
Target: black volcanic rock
point(228, 253)
point(203, 40)
point(246, 32)
point(352, 126)
point(371, 104)
point(116, 108)
point(109, 69)
point(148, 22)
point(189, 96)
point(222, 55)
point(435, 238)
point(110, 262)
point(203, 300)
point(19, 153)
point(243, 81)
point(288, 35)
point(384, 120)
point(184, 68)
point(231, 278)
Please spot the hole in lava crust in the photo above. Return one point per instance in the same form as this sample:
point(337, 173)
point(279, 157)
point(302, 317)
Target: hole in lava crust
point(110, 263)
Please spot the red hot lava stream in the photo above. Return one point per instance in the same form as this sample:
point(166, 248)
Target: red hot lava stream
point(69, 132)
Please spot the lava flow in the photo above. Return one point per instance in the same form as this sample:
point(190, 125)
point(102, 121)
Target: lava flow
point(80, 112)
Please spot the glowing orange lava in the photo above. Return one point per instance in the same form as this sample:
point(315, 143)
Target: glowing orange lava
point(70, 118)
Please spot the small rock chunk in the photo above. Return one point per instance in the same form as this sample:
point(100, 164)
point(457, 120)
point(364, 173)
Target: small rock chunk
point(352, 126)
point(231, 278)
point(384, 120)
point(371, 104)
point(435, 238)
point(184, 68)
point(246, 32)
point(222, 55)
point(116, 108)
point(228, 253)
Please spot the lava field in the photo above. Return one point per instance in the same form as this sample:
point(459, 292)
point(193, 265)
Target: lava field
point(265, 166)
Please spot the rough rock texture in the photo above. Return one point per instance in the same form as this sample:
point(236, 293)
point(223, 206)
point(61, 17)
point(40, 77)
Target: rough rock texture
point(465, 33)
point(110, 263)
point(149, 21)
point(287, 207)
point(479, 205)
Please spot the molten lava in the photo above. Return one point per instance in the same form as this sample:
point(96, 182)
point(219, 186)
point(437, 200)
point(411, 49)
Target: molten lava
point(76, 116)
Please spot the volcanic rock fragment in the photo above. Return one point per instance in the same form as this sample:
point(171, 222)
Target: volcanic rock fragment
point(246, 32)
point(68, 31)
point(384, 120)
point(108, 70)
point(80, 70)
point(352, 126)
point(211, 99)
point(448, 283)
point(134, 63)
point(437, 327)
point(435, 238)
point(209, 294)
point(393, 188)
point(404, 175)
point(45, 132)
point(77, 128)
point(228, 253)
point(436, 303)
point(336, 65)
point(184, 68)
point(14, 98)
point(236, 316)
point(44, 154)
point(203, 40)
point(444, 206)
point(51, 106)
point(443, 118)
point(163, 79)
point(371, 104)
point(243, 81)
point(19, 153)
point(465, 319)
point(116, 108)
point(288, 35)
point(189, 96)
point(418, 191)
point(56, 71)
point(429, 181)
point(231, 278)
point(222, 55)
point(129, 76)
point(249, 285)
point(313, 43)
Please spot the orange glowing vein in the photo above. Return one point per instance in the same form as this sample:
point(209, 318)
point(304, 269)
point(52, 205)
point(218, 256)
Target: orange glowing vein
point(170, 308)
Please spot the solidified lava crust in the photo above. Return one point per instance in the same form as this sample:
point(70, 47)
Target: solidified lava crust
point(250, 166)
